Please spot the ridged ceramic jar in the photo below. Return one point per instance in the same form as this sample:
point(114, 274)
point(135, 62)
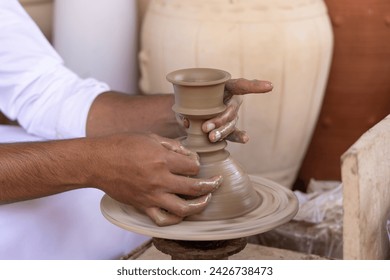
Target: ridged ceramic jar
point(288, 42)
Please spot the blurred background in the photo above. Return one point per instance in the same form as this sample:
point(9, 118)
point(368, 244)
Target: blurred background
point(329, 61)
point(133, 44)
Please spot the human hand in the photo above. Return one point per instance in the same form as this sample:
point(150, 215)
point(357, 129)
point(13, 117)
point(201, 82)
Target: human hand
point(150, 172)
point(223, 126)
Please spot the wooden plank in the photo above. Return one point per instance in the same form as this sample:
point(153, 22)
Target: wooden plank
point(365, 169)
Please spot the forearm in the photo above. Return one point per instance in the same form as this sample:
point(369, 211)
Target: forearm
point(32, 170)
point(114, 112)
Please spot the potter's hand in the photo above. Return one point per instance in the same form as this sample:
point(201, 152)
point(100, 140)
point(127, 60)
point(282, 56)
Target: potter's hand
point(223, 126)
point(146, 172)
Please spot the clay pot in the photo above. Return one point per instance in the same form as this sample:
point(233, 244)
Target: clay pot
point(199, 96)
point(288, 42)
point(358, 91)
point(199, 91)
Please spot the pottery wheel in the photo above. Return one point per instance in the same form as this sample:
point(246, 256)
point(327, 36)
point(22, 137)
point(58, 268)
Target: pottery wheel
point(278, 206)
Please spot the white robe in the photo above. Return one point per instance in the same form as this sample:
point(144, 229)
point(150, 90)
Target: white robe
point(50, 102)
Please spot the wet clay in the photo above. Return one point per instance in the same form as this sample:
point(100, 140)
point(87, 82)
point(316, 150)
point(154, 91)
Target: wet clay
point(242, 206)
point(199, 96)
point(278, 206)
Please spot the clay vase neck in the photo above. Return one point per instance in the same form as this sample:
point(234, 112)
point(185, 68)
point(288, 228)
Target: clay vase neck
point(199, 96)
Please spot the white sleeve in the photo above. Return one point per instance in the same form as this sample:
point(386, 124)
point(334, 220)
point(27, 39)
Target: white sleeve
point(36, 89)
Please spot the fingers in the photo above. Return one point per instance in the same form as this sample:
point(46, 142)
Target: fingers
point(175, 146)
point(223, 131)
point(180, 160)
point(161, 217)
point(174, 209)
point(182, 207)
point(229, 132)
point(182, 121)
point(171, 209)
point(194, 187)
point(182, 164)
point(223, 125)
point(221, 119)
point(238, 136)
point(243, 86)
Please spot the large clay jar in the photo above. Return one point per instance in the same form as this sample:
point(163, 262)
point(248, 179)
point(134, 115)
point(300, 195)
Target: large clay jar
point(288, 42)
point(358, 91)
